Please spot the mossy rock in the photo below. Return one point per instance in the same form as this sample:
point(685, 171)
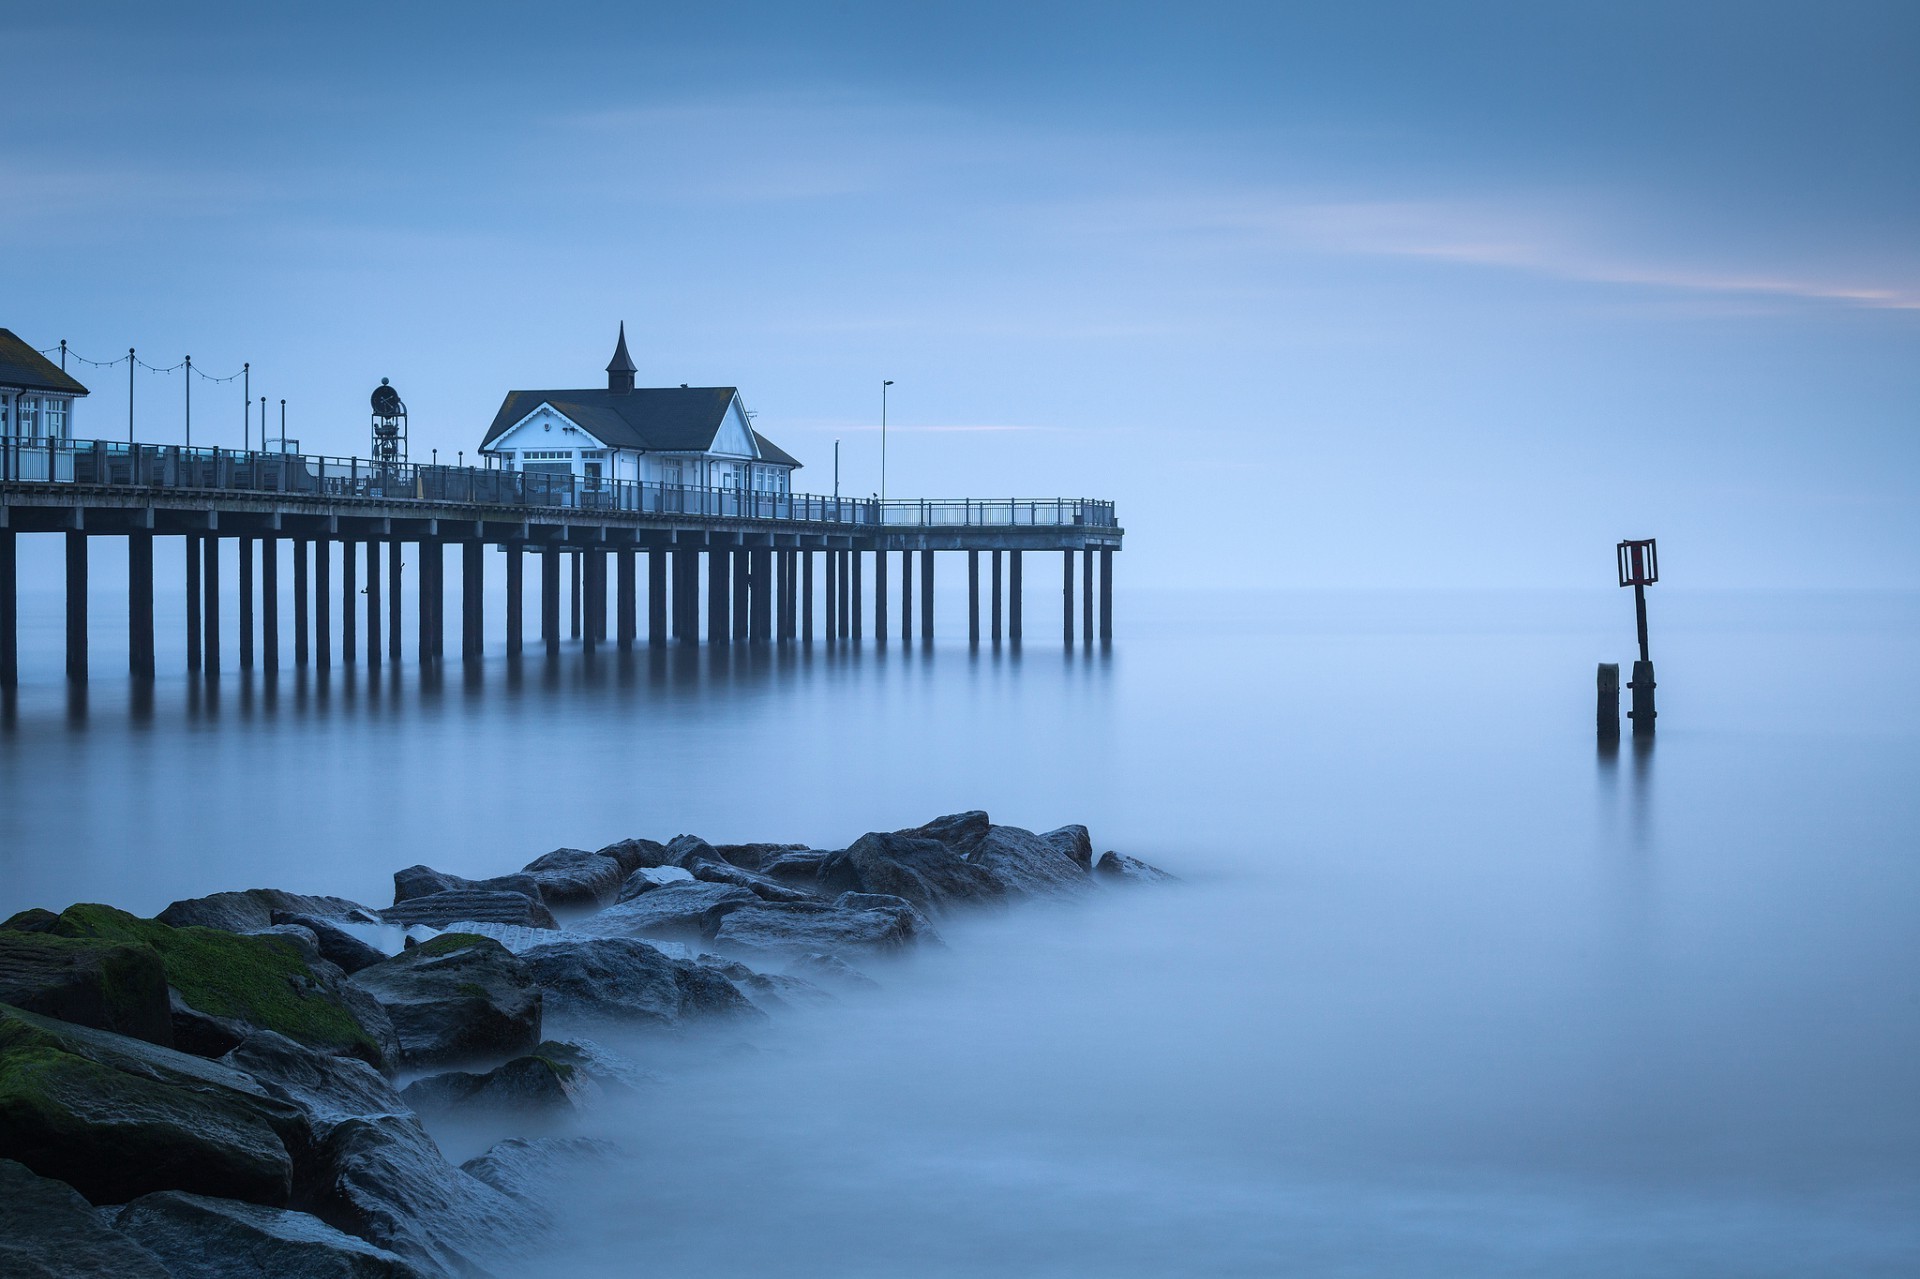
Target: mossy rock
point(116, 1118)
point(259, 981)
point(100, 982)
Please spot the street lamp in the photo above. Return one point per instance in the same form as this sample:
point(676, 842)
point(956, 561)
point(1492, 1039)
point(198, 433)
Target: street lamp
point(883, 438)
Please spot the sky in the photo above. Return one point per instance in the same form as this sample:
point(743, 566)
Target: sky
point(1322, 295)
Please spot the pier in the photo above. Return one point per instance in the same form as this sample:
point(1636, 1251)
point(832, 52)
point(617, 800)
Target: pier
point(720, 566)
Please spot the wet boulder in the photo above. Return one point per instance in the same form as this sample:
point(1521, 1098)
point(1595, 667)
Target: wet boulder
point(926, 871)
point(337, 946)
point(676, 909)
point(327, 1090)
point(1075, 842)
point(537, 1171)
point(117, 1117)
point(251, 910)
point(762, 886)
point(487, 906)
point(456, 999)
point(797, 868)
point(769, 992)
point(624, 978)
point(106, 984)
point(226, 1239)
point(854, 921)
point(1119, 868)
point(632, 854)
point(829, 971)
point(958, 831)
point(49, 1231)
point(756, 856)
point(1028, 864)
point(425, 881)
point(648, 878)
point(384, 1180)
point(534, 1083)
point(576, 877)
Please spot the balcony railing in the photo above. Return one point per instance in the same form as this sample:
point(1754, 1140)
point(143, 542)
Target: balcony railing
point(174, 469)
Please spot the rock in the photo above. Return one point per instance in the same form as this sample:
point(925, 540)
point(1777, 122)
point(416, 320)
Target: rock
point(108, 985)
point(425, 881)
point(767, 991)
point(1075, 842)
point(799, 868)
point(337, 946)
point(958, 831)
point(623, 978)
point(831, 970)
point(1121, 868)
point(224, 1239)
point(387, 1182)
point(1027, 864)
point(252, 910)
point(200, 1034)
point(117, 1117)
point(923, 870)
point(536, 1082)
point(262, 982)
point(632, 854)
point(608, 1070)
point(456, 999)
point(689, 850)
point(670, 909)
point(648, 878)
point(576, 877)
point(806, 927)
point(756, 857)
point(300, 935)
point(762, 886)
point(48, 1231)
point(486, 905)
point(327, 1090)
point(534, 1170)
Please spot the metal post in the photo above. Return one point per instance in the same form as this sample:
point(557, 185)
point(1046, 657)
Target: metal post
point(193, 602)
point(1086, 596)
point(270, 603)
point(719, 596)
point(76, 605)
point(210, 603)
point(301, 656)
point(516, 599)
point(9, 611)
point(550, 599)
point(926, 597)
point(348, 591)
point(473, 588)
point(656, 595)
point(906, 595)
point(243, 553)
point(1607, 707)
point(625, 592)
point(1014, 596)
point(394, 564)
point(1106, 592)
point(323, 603)
point(373, 603)
point(994, 612)
point(973, 597)
point(806, 596)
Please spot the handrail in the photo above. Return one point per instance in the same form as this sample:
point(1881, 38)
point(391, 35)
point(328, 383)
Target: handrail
point(174, 468)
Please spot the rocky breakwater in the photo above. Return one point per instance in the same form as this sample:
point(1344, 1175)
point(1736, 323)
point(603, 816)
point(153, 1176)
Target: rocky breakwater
point(237, 1086)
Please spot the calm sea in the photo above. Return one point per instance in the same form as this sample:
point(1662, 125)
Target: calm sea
point(1445, 990)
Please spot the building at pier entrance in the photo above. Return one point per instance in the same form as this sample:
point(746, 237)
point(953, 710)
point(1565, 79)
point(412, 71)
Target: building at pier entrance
point(678, 436)
point(36, 395)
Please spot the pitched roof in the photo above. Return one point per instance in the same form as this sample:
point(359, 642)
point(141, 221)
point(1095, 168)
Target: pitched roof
point(25, 368)
point(664, 419)
point(621, 361)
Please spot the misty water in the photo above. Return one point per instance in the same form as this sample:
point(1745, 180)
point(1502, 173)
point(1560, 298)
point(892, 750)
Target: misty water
point(1444, 990)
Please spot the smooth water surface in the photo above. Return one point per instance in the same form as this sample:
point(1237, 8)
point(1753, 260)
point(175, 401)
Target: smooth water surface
point(1445, 990)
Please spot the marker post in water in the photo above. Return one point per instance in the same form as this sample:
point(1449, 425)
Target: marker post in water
point(1639, 564)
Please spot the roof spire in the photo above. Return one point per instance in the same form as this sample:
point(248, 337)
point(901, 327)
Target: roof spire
point(620, 369)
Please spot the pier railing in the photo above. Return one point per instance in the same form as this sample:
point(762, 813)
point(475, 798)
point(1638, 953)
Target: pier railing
point(177, 469)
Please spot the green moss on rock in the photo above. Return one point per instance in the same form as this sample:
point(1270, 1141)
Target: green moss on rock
point(105, 983)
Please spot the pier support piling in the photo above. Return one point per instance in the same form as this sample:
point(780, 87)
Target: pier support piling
point(243, 554)
point(473, 593)
point(9, 610)
point(973, 597)
point(994, 618)
point(516, 597)
point(301, 654)
point(1066, 595)
point(831, 562)
point(719, 596)
point(373, 604)
point(656, 595)
point(926, 597)
point(1106, 593)
point(627, 617)
point(854, 558)
point(322, 604)
point(423, 602)
point(806, 596)
point(594, 574)
point(760, 599)
point(193, 602)
point(880, 596)
point(76, 605)
point(1086, 597)
point(740, 608)
point(395, 550)
point(1014, 597)
point(550, 599)
point(846, 595)
point(270, 603)
point(210, 604)
point(573, 600)
point(349, 593)
point(140, 606)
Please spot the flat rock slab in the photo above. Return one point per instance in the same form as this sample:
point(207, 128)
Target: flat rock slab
point(1120, 868)
point(765, 887)
point(251, 910)
point(624, 978)
point(681, 909)
point(328, 1090)
point(490, 906)
point(632, 854)
point(224, 1239)
point(576, 877)
point(455, 999)
point(49, 1231)
point(864, 922)
point(648, 878)
point(424, 881)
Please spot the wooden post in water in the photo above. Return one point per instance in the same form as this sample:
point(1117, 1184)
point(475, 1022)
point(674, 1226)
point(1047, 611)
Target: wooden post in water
point(973, 597)
point(193, 602)
point(783, 595)
point(1106, 592)
point(373, 603)
point(656, 595)
point(719, 596)
point(9, 610)
point(301, 653)
point(349, 593)
point(140, 605)
point(473, 598)
point(243, 552)
point(395, 550)
point(574, 599)
point(1086, 597)
point(1607, 715)
point(270, 603)
point(995, 612)
point(880, 596)
point(906, 596)
point(1066, 593)
point(210, 603)
point(1013, 596)
point(423, 601)
point(806, 596)
point(926, 597)
point(550, 599)
point(323, 603)
point(760, 600)
point(854, 558)
point(846, 594)
point(832, 563)
point(626, 603)
point(516, 596)
point(739, 605)
point(76, 605)
point(594, 575)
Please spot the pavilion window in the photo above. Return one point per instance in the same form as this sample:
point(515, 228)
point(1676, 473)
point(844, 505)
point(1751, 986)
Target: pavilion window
point(56, 419)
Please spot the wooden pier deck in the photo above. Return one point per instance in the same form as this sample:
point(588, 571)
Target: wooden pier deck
point(755, 554)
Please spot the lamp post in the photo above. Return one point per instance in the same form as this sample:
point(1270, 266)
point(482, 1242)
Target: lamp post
point(1639, 565)
point(883, 438)
point(836, 470)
